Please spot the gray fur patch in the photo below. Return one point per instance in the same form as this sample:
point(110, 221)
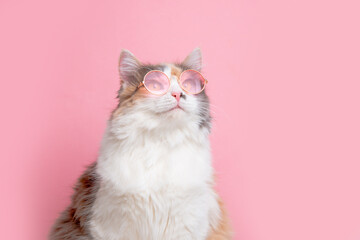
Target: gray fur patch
point(205, 117)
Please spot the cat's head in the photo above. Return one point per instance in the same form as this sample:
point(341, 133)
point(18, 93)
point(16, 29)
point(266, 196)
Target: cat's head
point(175, 109)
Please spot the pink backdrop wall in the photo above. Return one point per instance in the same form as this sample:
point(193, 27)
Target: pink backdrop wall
point(284, 84)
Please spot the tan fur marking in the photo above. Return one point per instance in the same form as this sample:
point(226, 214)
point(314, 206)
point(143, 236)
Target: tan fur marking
point(129, 98)
point(175, 71)
point(223, 230)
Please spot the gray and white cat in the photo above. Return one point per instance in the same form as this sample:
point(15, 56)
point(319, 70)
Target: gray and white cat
point(153, 178)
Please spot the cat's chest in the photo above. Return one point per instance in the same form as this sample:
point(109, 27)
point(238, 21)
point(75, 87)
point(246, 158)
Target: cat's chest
point(155, 166)
point(154, 191)
point(172, 214)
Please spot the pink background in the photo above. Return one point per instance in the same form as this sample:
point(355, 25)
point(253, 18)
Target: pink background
point(284, 83)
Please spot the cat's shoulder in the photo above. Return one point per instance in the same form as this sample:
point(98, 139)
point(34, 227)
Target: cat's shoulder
point(74, 221)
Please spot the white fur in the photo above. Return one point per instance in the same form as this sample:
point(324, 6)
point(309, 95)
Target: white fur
point(156, 174)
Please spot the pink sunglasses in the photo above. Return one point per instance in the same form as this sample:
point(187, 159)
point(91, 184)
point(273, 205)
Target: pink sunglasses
point(158, 83)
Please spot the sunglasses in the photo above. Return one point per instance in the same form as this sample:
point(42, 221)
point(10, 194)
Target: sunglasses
point(158, 83)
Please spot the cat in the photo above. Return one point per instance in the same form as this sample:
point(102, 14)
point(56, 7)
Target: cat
point(153, 178)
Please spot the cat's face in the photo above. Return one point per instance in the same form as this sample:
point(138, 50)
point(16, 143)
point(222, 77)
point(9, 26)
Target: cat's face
point(175, 108)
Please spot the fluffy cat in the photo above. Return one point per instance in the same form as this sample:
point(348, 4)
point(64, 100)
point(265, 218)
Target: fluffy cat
point(153, 178)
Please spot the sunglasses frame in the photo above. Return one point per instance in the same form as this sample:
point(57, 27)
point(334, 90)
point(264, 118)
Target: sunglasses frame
point(178, 80)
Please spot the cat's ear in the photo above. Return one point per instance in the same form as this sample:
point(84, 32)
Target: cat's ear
point(194, 60)
point(128, 66)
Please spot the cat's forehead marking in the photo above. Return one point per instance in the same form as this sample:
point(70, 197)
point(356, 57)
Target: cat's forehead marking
point(172, 71)
point(175, 71)
point(167, 70)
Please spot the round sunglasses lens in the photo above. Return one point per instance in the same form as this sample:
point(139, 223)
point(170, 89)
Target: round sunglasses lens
point(156, 82)
point(192, 81)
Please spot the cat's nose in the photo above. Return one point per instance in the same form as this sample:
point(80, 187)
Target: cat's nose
point(176, 95)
